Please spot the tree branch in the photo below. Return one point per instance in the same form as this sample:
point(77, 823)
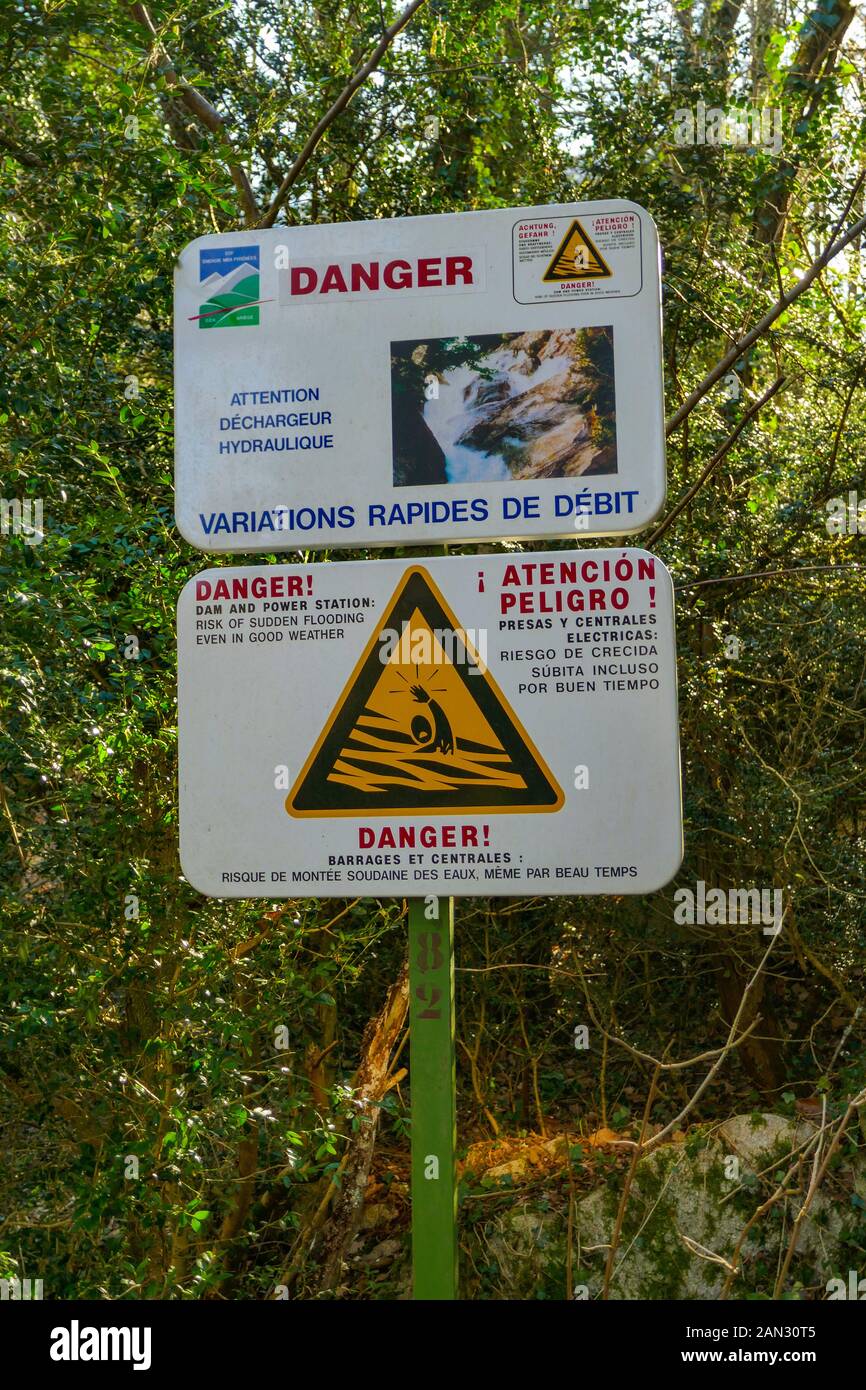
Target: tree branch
point(783, 303)
point(26, 157)
point(728, 1047)
point(769, 574)
point(339, 105)
point(802, 92)
point(716, 459)
point(200, 107)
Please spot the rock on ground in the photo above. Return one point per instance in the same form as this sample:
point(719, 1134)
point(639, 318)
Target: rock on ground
point(688, 1205)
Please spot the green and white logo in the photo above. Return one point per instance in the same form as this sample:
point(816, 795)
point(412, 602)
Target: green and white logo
point(229, 276)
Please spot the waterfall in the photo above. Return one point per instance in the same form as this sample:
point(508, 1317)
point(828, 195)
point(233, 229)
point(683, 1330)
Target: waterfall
point(453, 411)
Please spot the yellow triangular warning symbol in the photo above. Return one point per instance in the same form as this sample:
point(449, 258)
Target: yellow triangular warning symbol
point(421, 726)
point(578, 258)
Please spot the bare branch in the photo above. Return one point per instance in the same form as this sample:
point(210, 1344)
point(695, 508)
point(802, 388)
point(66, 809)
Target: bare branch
point(676, 1122)
point(770, 574)
point(339, 105)
point(716, 459)
point(783, 303)
point(627, 1185)
point(818, 1174)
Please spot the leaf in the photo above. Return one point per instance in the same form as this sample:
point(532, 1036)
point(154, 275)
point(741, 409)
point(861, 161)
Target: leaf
point(603, 1136)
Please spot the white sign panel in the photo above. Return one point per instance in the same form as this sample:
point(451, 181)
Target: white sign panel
point(492, 724)
point(420, 379)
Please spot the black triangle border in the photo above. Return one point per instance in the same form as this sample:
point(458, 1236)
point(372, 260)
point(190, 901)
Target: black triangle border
point(549, 279)
point(313, 795)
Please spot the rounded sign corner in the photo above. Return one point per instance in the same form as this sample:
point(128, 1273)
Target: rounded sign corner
point(669, 874)
point(191, 535)
point(631, 206)
point(655, 505)
point(188, 587)
point(194, 883)
point(198, 242)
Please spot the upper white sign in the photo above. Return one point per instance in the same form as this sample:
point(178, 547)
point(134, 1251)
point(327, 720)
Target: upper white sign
point(456, 378)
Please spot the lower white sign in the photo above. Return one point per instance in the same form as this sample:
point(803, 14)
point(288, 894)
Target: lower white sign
point(481, 725)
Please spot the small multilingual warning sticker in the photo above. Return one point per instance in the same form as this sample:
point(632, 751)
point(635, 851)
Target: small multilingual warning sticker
point(422, 726)
point(565, 258)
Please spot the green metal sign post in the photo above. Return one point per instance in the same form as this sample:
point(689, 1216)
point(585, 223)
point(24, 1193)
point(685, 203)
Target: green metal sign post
point(434, 1120)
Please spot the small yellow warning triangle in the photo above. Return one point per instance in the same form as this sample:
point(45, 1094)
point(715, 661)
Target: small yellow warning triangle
point(421, 726)
point(578, 258)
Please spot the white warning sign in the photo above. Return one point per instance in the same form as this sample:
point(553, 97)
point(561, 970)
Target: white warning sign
point(460, 377)
point(478, 725)
point(596, 256)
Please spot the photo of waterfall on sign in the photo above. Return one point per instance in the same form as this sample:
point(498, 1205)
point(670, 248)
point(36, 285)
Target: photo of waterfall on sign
point(503, 407)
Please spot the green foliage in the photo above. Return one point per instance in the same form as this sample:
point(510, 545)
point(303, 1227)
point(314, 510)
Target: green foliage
point(138, 1019)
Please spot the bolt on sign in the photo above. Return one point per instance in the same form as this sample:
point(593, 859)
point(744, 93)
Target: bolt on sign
point(462, 377)
point(494, 724)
